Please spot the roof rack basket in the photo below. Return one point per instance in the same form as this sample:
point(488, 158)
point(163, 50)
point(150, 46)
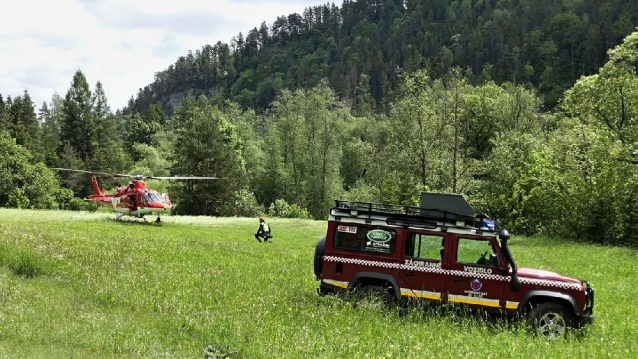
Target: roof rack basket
point(437, 209)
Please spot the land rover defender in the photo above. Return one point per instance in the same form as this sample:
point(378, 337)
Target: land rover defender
point(443, 252)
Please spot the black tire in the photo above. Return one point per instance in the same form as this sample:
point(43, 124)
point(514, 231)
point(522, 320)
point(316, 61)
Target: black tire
point(551, 320)
point(319, 251)
point(373, 297)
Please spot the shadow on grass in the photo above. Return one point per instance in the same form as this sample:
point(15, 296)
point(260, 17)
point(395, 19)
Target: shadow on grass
point(134, 222)
point(457, 316)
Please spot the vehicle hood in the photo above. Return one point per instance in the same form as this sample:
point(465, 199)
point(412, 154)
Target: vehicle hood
point(543, 274)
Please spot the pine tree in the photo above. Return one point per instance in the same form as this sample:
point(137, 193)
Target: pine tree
point(51, 117)
point(23, 124)
point(100, 104)
point(77, 182)
point(108, 155)
point(50, 135)
point(4, 115)
point(78, 128)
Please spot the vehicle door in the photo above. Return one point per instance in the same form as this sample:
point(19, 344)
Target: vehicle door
point(477, 272)
point(422, 272)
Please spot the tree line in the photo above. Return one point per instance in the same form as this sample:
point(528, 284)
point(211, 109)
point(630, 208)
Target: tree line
point(572, 171)
point(363, 46)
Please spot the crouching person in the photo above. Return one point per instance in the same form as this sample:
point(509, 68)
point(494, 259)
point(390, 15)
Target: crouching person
point(263, 231)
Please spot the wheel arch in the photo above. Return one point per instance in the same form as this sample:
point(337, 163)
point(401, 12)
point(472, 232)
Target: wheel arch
point(320, 249)
point(374, 278)
point(538, 296)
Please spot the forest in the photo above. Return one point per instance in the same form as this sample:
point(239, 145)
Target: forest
point(528, 110)
point(364, 46)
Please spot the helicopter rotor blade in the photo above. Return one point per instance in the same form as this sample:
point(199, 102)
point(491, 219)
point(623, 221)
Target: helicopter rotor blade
point(136, 177)
point(182, 178)
point(94, 172)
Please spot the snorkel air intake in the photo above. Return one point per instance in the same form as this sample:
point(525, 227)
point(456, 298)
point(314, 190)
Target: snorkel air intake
point(504, 235)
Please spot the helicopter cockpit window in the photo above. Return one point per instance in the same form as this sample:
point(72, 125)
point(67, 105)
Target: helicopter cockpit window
point(152, 197)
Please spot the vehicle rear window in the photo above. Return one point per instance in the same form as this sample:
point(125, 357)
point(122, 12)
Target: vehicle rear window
point(365, 239)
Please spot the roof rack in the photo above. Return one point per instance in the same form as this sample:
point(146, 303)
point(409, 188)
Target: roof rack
point(395, 214)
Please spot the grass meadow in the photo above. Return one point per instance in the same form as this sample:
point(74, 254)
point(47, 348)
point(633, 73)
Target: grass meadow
point(83, 285)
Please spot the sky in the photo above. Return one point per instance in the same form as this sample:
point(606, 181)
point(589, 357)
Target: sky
point(121, 43)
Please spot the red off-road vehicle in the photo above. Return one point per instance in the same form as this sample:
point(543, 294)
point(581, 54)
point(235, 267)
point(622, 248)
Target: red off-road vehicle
point(443, 252)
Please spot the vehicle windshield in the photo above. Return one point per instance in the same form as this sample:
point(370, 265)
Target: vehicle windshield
point(152, 197)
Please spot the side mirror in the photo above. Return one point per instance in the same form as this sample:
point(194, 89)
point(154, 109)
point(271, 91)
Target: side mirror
point(496, 260)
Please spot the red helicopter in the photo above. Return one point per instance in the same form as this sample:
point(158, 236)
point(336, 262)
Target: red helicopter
point(135, 200)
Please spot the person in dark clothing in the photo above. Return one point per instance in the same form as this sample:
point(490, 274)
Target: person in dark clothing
point(131, 202)
point(263, 231)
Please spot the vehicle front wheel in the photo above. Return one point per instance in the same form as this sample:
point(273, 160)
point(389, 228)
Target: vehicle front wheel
point(551, 320)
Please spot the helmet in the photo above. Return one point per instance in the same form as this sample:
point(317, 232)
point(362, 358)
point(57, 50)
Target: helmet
point(262, 219)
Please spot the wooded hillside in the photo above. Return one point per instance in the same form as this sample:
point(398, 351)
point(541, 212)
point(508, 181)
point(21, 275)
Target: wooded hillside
point(363, 46)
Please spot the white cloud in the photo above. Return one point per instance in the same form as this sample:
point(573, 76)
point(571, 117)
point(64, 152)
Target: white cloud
point(121, 43)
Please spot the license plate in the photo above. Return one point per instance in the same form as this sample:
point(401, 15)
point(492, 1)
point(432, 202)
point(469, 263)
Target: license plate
point(347, 229)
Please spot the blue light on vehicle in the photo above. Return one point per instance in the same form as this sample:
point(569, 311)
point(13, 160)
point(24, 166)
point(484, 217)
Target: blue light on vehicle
point(488, 225)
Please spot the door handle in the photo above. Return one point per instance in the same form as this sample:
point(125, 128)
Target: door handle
point(459, 280)
point(410, 274)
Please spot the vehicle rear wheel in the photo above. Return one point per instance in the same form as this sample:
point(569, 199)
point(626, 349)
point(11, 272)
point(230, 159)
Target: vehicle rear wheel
point(551, 320)
point(373, 297)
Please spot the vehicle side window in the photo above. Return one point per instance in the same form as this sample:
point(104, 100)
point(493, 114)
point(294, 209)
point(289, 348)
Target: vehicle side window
point(365, 239)
point(475, 251)
point(424, 246)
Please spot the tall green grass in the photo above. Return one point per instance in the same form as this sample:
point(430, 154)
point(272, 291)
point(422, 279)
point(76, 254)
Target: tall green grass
point(201, 286)
point(22, 262)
